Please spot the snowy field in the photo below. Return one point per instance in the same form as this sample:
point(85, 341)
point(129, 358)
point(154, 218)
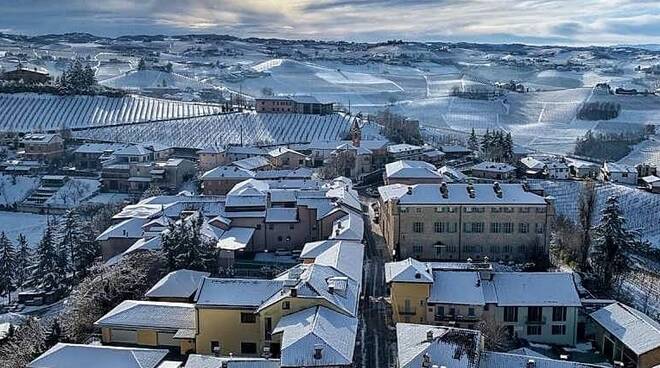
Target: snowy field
point(640, 208)
point(74, 192)
point(14, 189)
point(29, 224)
point(647, 151)
point(141, 79)
point(261, 129)
point(27, 112)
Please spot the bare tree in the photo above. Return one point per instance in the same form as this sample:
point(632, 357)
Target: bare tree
point(586, 213)
point(340, 164)
point(496, 336)
point(28, 342)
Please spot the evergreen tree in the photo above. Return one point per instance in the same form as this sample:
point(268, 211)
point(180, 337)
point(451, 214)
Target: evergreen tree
point(45, 274)
point(89, 76)
point(486, 143)
point(185, 247)
point(508, 148)
point(87, 251)
point(70, 236)
point(142, 65)
point(23, 260)
point(611, 242)
point(7, 266)
point(473, 142)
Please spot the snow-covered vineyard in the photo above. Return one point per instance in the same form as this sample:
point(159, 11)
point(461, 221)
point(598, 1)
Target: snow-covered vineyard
point(252, 128)
point(31, 112)
point(641, 209)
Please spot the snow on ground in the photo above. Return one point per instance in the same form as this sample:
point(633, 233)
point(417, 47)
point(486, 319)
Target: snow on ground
point(146, 79)
point(108, 198)
point(29, 224)
point(648, 151)
point(266, 129)
point(640, 208)
point(14, 189)
point(25, 112)
point(74, 192)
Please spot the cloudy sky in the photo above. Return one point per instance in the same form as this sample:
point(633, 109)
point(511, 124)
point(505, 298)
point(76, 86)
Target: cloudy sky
point(530, 21)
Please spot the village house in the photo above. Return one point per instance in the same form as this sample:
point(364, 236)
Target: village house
point(405, 151)
point(651, 183)
point(411, 172)
point(177, 286)
point(545, 167)
point(28, 75)
point(536, 306)
point(41, 147)
point(494, 170)
point(254, 163)
point(583, 169)
point(618, 173)
point(286, 158)
point(453, 152)
point(235, 153)
point(292, 105)
point(90, 156)
point(626, 335)
point(97, 356)
point(460, 221)
point(211, 157)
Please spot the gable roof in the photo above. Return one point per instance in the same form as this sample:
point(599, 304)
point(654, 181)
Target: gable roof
point(177, 284)
point(450, 347)
point(205, 361)
point(156, 315)
point(639, 332)
point(411, 169)
point(248, 293)
point(484, 194)
point(97, 356)
point(491, 359)
point(313, 328)
point(408, 270)
point(227, 172)
point(252, 163)
point(493, 167)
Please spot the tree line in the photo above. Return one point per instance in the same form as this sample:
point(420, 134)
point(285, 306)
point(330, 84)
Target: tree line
point(606, 146)
point(599, 111)
point(496, 146)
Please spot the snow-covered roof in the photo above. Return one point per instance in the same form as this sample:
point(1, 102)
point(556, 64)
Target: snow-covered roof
point(154, 315)
point(344, 256)
point(279, 151)
point(448, 347)
point(452, 173)
point(246, 150)
point(130, 228)
point(142, 244)
point(133, 150)
point(639, 332)
point(97, 356)
point(227, 172)
point(252, 163)
point(491, 359)
point(99, 147)
point(313, 329)
point(312, 249)
point(177, 284)
point(300, 173)
point(620, 168)
point(402, 148)
point(408, 270)
point(454, 149)
point(532, 163)
point(493, 167)
point(505, 289)
point(349, 227)
point(248, 293)
point(411, 169)
point(235, 238)
point(484, 194)
point(650, 179)
point(211, 150)
point(206, 361)
point(39, 137)
point(279, 215)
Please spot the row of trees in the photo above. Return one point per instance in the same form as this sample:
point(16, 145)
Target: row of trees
point(399, 129)
point(77, 78)
point(607, 146)
point(496, 146)
point(599, 111)
point(61, 259)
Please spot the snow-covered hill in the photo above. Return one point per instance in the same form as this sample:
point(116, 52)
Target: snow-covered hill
point(25, 112)
point(150, 79)
point(226, 129)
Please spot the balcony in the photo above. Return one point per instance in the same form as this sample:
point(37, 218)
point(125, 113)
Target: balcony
point(455, 317)
point(407, 311)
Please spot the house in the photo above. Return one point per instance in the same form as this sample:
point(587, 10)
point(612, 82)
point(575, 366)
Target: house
point(235, 153)
point(97, 356)
point(405, 151)
point(211, 157)
point(545, 167)
point(624, 334)
point(41, 146)
point(411, 172)
point(651, 183)
point(583, 169)
point(221, 179)
point(618, 173)
point(450, 347)
point(136, 167)
point(646, 169)
point(452, 175)
point(205, 361)
point(254, 163)
point(177, 286)
point(320, 151)
point(292, 105)
point(453, 152)
point(171, 174)
point(286, 158)
point(536, 306)
point(163, 325)
point(28, 75)
point(494, 170)
point(360, 156)
point(459, 221)
point(90, 156)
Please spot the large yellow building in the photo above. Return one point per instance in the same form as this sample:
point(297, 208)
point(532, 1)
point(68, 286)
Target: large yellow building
point(537, 306)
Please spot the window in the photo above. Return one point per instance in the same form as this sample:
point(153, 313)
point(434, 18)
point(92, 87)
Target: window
point(438, 250)
point(495, 227)
point(540, 228)
point(286, 305)
point(496, 210)
point(417, 249)
point(477, 227)
point(534, 314)
point(258, 226)
point(440, 311)
point(540, 210)
point(248, 348)
point(291, 227)
point(248, 318)
point(471, 312)
point(510, 314)
point(507, 227)
point(559, 314)
point(403, 209)
point(452, 227)
point(271, 226)
point(559, 329)
point(439, 227)
point(521, 249)
point(451, 209)
point(418, 210)
point(533, 330)
point(279, 238)
point(418, 227)
point(215, 347)
point(523, 228)
point(523, 209)
point(440, 209)
point(508, 210)
point(452, 311)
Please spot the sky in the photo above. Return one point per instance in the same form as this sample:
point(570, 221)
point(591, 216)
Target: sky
point(567, 22)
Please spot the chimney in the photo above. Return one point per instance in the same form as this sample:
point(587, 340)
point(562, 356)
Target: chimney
point(498, 189)
point(444, 190)
point(409, 190)
point(531, 364)
point(293, 292)
point(318, 351)
point(426, 361)
point(429, 335)
point(470, 190)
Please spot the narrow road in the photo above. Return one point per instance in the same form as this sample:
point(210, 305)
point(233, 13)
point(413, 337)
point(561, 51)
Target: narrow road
point(374, 315)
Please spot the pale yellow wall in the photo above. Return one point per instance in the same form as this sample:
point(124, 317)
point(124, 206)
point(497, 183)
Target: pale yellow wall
point(105, 335)
point(147, 338)
point(187, 346)
point(650, 359)
point(417, 294)
point(224, 325)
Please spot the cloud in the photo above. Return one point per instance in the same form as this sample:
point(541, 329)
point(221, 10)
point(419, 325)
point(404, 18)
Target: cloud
point(532, 21)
